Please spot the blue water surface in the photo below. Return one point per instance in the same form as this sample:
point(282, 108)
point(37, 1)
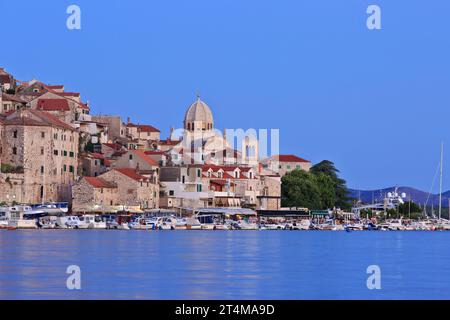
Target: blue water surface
point(223, 264)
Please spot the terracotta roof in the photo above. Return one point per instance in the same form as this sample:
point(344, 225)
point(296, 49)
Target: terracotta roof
point(143, 156)
point(58, 86)
point(95, 155)
point(97, 182)
point(154, 152)
point(169, 142)
point(5, 78)
point(114, 146)
point(69, 94)
point(290, 158)
point(143, 127)
point(43, 119)
point(52, 119)
point(53, 105)
point(221, 182)
point(8, 97)
point(131, 173)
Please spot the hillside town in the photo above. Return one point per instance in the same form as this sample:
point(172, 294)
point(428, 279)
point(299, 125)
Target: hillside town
point(55, 149)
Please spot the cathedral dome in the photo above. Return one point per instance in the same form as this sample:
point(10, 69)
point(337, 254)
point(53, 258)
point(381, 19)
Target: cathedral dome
point(198, 117)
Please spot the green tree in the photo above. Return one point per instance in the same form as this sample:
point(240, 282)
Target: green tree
point(340, 188)
point(405, 208)
point(299, 189)
point(327, 190)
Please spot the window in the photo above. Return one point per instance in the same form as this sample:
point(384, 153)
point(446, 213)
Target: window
point(199, 173)
point(65, 168)
point(71, 154)
point(42, 134)
point(55, 136)
point(288, 167)
point(298, 167)
point(42, 169)
point(131, 157)
point(71, 169)
point(171, 192)
point(65, 153)
point(183, 179)
point(199, 188)
point(14, 150)
point(42, 150)
point(15, 134)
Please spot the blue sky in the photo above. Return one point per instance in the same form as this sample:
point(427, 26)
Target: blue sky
point(376, 102)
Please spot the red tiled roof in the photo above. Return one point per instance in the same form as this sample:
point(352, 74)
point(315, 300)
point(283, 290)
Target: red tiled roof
point(97, 182)
point(114, 146)
point(96, 155)
point(169, 142)
point(5, 78)
point(52, 119)
point(59, 86)
point(143, 127)
point(290, 158)
point(143, 156)
point(131, 173)
point(53, 105)
point(8, 97)
point(69, 94)
point(44, 119)
point(220, 182)
point(154, 152)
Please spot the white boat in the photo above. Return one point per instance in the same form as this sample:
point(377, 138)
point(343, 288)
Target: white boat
point(23, 217)
point(188, 224)
point(71, 222)
point(395, 225)
point(166, 223)
point(244, 225)
point(93, 221)
point(48, 222)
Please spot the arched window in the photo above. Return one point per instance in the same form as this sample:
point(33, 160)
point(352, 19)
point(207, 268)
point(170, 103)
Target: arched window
point(189, 126)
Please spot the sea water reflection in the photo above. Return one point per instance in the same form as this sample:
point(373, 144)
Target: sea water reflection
point(223, 264)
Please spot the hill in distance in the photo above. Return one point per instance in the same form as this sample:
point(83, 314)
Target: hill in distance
point(415, 195)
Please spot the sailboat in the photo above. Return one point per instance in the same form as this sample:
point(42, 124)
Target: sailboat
point(443, 223)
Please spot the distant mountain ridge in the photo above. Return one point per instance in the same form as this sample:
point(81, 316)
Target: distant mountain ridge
point(417, 196)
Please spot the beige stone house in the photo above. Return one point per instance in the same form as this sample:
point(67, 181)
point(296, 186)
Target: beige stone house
point(39, 157)
point(93, 164)
point(285, 163)
point(94, 194)
point(141, 136)
point(10, 103)
point(134, 189)
point(137, 159)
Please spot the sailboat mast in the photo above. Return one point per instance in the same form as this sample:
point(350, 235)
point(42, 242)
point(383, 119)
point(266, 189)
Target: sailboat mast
point(440, 181)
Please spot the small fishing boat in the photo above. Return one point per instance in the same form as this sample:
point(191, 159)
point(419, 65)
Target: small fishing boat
point(93, 221)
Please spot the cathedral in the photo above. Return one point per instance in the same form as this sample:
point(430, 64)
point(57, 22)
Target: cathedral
point(201, 143)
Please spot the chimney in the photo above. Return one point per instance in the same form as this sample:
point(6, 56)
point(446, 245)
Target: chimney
point(128, 120)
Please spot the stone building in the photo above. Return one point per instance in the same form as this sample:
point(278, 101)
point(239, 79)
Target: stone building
point(285, 163)
point(93, 164)
point(134, 189)
point(94, 194)
point(39, 157)
point(10, 103)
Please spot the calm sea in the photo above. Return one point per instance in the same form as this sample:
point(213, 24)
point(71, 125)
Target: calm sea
point(224, 264)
